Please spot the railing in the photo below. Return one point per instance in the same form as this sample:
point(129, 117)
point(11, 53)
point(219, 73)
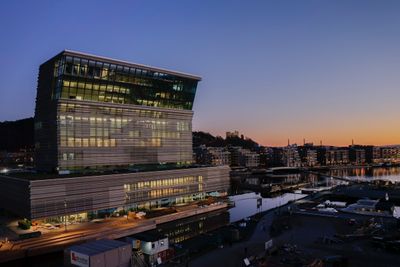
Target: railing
point(137, 260)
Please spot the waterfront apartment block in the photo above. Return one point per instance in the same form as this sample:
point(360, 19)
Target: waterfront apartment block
point(291, 156)
point(337, 157)
point(311, 158)
point(219, 156)
point(110, 135)
point(386, 154)
point(357, 156)
point(214, 156)
point(244, 157)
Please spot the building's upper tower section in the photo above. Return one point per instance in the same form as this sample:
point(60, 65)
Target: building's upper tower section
point(86, 77)
point(99, 113)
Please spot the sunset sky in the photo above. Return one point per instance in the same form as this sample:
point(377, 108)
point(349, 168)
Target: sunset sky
point(273, 70)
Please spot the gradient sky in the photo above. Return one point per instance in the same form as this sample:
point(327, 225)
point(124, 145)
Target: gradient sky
point(319, 70)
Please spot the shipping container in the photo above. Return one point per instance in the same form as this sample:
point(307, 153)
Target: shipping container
point(99, 253)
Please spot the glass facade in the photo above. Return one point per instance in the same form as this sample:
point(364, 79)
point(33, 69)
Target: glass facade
point(163, 188)
point(100, 113)
point(85, 79)
point(92, 137)
point(187, 228)
point(131, 124)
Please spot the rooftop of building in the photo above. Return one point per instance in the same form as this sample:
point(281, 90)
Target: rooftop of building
point(98, 246)
point(149, 236)
point(32, 175)
point(125, 63)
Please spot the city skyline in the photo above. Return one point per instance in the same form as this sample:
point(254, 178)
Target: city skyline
point(273, 71)
point(201, 133)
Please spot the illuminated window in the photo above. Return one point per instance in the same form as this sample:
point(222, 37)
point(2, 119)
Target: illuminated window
point(92, 142)
point(106, 143)
point(78, 142)
point(71, 142)
point(112, 142)
point(85, 142)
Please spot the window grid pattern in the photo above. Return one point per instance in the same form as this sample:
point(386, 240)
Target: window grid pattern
point(99, 136)
point(83, 79)
point(163, 188)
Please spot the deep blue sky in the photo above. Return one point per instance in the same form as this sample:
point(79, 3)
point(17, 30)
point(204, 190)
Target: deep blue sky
point(274, 70)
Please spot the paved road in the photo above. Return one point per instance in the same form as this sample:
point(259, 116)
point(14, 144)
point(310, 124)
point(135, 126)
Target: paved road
point(112, 229)
point(233, 256)
point(305, 231)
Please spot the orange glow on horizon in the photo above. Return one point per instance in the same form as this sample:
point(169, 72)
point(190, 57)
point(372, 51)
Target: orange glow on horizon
point(331, 140)
point(335, 138)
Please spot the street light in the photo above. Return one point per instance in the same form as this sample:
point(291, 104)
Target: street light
point(126, 206)
point(65, 214)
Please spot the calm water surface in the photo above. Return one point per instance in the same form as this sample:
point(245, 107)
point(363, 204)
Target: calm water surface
point(369, 174)
point(246, 204)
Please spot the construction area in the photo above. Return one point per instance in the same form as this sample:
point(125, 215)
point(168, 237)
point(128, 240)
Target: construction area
point(295, 235)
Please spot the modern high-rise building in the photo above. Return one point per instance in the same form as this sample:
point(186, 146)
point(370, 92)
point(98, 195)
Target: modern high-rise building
point(100, 113)
point(110, 135)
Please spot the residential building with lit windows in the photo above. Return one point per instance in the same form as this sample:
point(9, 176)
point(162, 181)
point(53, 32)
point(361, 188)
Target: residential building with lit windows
point(386, 154)
point(311, 158)
point(337, 156)
point(110, 134)
point(219, 156)
point(214, 156)
point(291, 156)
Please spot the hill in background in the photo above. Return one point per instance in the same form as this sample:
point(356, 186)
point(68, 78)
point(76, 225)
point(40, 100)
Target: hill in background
point(207, 139)
point(15, 135)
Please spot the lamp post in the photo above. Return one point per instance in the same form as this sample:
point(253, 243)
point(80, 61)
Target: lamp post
point(126, 209)
point(65, 215)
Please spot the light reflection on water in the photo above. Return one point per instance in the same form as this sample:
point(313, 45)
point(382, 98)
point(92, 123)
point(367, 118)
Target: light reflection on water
point(364, 173)
point(246, 204)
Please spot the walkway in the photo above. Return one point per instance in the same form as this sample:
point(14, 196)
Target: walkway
point(113, 229)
